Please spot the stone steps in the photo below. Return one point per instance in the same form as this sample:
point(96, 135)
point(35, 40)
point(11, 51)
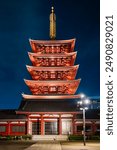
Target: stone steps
point(50, 137)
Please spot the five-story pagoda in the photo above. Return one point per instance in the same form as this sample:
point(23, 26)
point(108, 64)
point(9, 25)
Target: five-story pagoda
point(51, 109)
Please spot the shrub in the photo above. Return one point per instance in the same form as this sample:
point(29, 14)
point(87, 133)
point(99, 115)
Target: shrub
point(75, 137)
point(27, 137)
point(8, 137)
point(0, 137)
point(80, 137)
point(95, 137)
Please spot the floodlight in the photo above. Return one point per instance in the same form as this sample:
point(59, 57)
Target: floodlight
point(82, 95)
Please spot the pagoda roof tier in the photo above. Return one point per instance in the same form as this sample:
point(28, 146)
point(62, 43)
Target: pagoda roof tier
point(42, 97)
point(52, 46)
point(53, 73)
point(53, 55)
point(53, 86)
point(48, 106)
point(48, 60)
point(67, 68)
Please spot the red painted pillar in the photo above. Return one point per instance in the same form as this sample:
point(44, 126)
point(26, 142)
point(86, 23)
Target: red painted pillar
point(73, 125)
point(42, 125)
point(93, 127)
point(9, 129)
point(60, 125)
point(28, 125)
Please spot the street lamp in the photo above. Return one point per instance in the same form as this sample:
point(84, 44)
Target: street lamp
point(83, 106)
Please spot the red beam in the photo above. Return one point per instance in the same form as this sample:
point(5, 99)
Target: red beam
point(21, 112)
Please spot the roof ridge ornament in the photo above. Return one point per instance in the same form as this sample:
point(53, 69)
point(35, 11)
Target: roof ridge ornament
point(52, 24)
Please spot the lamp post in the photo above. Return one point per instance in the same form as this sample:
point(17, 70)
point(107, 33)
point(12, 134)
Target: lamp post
point(84, 136)
point(82, 104)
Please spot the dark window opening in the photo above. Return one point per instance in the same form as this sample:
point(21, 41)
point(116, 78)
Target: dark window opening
point(16, 128)
point(2, 128)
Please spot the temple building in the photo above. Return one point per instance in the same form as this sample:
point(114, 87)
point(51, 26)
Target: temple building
point(51, 110)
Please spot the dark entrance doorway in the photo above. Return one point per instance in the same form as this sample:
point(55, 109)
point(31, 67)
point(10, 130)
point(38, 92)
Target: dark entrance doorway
point(51, 128)
point(36, 128)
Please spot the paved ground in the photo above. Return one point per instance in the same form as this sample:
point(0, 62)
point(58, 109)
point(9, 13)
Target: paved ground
point(80, 146)
point(29, 145)
point(15, 145)
point(45, 146)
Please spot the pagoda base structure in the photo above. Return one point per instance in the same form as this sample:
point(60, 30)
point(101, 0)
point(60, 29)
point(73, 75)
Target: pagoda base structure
point(44, 120)
point(44, 116)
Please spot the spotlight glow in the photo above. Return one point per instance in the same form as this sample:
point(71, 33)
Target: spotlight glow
point(79, 102)
point(82, 95)
point(87, 101)
point(86, 108)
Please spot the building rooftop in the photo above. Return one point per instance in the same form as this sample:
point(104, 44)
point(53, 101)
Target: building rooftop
point(7, 114)
point(54, 105)
point(10, 114)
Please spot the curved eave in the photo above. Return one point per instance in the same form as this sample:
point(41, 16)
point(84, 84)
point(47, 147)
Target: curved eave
point(52, 82)
point(52, 43)
point(61, 97)
point(52, 55)
point(51, 68)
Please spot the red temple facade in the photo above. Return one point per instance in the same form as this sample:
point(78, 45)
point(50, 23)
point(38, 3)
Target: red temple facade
point(51, 109)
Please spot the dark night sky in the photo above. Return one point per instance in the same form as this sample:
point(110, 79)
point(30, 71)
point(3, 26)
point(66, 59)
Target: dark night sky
point(24, 19)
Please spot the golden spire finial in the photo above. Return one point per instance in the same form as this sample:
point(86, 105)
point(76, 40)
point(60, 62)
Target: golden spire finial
point(52, 24)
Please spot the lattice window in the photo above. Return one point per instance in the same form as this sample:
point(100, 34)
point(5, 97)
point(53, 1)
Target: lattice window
point(60, 89)
point(45, 88)
point(53, 75)
point(52, 61)
point(58, 50)
point(46, 75)
point(53, 89)
point(80, 128)
point(88, 128)
point(2, 128)
point(17, 128)
point(59, 75)
point(36, 130)
point(66, 126)
point(58, 62)
point(51, 128)
point(47, 49)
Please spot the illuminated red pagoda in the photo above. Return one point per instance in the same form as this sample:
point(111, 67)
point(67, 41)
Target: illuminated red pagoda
point(53, 81)
point(52, 71)
point(51, 110)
